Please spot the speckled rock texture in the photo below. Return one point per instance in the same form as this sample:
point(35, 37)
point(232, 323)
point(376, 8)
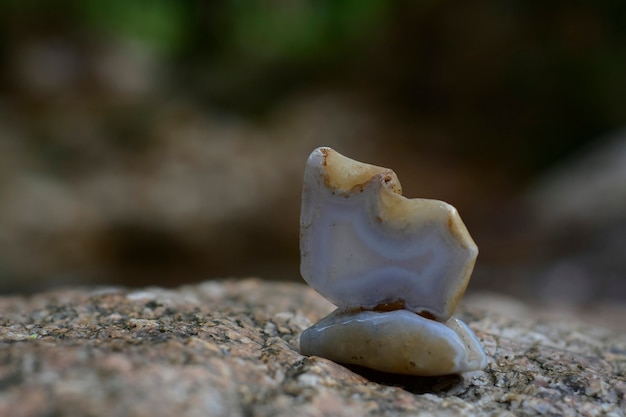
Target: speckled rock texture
point(231, 349)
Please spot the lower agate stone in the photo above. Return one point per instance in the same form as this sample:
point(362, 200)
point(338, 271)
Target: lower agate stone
point(397, 341)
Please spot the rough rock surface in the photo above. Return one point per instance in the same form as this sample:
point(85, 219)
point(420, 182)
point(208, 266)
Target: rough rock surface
point(231, 349)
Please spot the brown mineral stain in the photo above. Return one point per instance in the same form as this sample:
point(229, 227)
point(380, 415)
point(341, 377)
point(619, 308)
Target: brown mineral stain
point(324, 152)
point(399, 304)
point(457, 229)
point(427, 315)
point(392, 306)
point(350, 176)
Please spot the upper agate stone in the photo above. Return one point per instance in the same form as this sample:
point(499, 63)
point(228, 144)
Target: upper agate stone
point(365, 246)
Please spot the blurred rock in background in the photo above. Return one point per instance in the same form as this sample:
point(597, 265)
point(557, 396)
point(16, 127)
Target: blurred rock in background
point(580, 209)
point(164, 143)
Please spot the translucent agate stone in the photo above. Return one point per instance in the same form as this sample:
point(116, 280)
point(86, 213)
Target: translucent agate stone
point(395, 268)
point(398, 341)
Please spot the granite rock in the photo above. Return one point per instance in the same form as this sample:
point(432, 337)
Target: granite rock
point(230, 348)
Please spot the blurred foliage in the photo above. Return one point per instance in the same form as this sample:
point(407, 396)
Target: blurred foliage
point(160, 24)
point(534, 78)
point(300, 31)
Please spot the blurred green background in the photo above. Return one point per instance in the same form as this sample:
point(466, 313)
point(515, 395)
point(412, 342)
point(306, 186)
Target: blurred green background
point(163, 142)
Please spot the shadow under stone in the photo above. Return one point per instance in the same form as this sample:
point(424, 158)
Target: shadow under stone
point(411, 383)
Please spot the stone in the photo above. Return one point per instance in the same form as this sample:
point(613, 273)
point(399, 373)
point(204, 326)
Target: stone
point(395, 268)
point(363, 244)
